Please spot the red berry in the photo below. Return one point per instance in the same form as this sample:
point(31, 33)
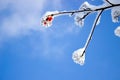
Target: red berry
point(45, 23)
point(49, 18)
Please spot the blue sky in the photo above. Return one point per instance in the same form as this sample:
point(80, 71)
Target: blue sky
point(29, 52)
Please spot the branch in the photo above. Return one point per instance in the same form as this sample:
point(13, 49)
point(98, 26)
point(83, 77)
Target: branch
point(48, 18)
point(77, 11)
point(85, 15)
point(92, 31)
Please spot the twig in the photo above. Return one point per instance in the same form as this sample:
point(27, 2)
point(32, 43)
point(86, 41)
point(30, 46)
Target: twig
point(77, 11)
point(92, 31)
point(109, 2)
point(85, 15)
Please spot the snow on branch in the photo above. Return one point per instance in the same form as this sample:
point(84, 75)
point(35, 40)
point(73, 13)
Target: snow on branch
point(48, 18)
point(115, 14)
point(117, 31)
point(79, 56)
point(80, 15)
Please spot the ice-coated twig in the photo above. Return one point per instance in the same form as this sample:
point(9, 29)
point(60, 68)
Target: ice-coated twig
point(77, 11)
point(48, 18)
point(92, 31)
point(85, 15)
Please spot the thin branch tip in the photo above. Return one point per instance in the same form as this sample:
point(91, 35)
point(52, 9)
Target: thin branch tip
point(109, 2)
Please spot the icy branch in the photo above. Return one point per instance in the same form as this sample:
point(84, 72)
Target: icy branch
point(86, 9)
point(92, 30)
point(77, 11)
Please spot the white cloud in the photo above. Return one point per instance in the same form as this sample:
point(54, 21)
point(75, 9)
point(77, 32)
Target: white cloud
point(25, 15)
